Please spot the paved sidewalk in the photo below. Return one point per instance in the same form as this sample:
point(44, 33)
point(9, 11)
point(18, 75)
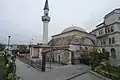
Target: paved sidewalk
point(60, 73)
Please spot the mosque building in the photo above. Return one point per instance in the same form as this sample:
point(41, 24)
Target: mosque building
point(106, 36)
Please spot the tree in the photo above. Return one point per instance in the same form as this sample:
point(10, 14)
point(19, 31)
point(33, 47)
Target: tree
point(10, 76)
point(93, 55)
point(22, 48)
point(95, 58)
point(105, 54)
point(83, 58)
point(2, 47)
point(15, 51)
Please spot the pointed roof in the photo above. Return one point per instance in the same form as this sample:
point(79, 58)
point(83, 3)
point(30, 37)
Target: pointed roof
point(46, 5)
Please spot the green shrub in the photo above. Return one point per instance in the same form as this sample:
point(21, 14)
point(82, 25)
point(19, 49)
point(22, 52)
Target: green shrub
point(10, 68)
point(109, 71)
point(10, 75)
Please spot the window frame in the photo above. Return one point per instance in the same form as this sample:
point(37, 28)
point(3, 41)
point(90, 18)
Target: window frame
point(108, 29)
point(112, 29)
point(110, 41)
point(113, 40)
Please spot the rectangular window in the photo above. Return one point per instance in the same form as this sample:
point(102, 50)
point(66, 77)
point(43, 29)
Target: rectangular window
point(108, 30)
point(112, 30)
point(109, 40)
point(113, 40)
point(118, 18)
point(101, 42)
point(99, 33)
point(105, 30)
point(104, 42)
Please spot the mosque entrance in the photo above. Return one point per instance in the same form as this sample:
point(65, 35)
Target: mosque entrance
point(59, 59)
point(53, 48)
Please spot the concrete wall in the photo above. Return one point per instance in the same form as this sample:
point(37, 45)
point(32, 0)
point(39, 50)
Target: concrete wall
point(34, 52)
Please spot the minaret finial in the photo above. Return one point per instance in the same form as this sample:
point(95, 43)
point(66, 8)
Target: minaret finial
point(46, 5)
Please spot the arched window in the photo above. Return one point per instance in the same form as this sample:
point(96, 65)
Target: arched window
point(103, 50)
point(46, 14)
point(113, 53)
point(86, 48)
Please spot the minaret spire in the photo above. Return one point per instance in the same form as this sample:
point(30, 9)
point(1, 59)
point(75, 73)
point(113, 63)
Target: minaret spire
point(46, 20)
point(46, 5)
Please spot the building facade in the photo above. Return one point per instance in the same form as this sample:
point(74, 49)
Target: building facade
point(77, 39)
point(108, 34)
point(35, 51)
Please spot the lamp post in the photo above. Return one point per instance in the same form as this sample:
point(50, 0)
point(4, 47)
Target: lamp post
point(43, 61)
point(9, 42)
point(50, 59)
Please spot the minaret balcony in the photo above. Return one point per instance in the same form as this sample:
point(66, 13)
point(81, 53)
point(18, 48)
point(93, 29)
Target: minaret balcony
point(46, 18)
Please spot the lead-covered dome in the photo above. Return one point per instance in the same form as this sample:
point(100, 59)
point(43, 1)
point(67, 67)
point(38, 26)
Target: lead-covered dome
point(73, 28)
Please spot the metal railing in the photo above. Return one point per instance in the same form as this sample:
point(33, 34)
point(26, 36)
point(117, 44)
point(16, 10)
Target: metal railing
point(34, 64)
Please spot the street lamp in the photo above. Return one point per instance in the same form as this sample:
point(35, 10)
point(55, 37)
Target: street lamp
point(9, 42)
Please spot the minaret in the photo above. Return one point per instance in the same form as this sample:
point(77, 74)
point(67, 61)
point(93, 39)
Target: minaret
point(46, 20)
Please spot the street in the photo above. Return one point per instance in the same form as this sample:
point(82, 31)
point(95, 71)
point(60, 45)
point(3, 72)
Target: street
point(68, 72)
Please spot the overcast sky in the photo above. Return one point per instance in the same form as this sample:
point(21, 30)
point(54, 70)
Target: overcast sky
point(22, 18)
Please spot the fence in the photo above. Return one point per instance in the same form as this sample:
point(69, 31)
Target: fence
point(34, 64)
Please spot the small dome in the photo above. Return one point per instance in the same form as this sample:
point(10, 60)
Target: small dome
point(73, 28)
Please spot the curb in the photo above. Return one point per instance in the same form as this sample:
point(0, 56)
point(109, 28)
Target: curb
point(71, 77)
point(18, 77)
point(99, 75)
point(49, 67)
